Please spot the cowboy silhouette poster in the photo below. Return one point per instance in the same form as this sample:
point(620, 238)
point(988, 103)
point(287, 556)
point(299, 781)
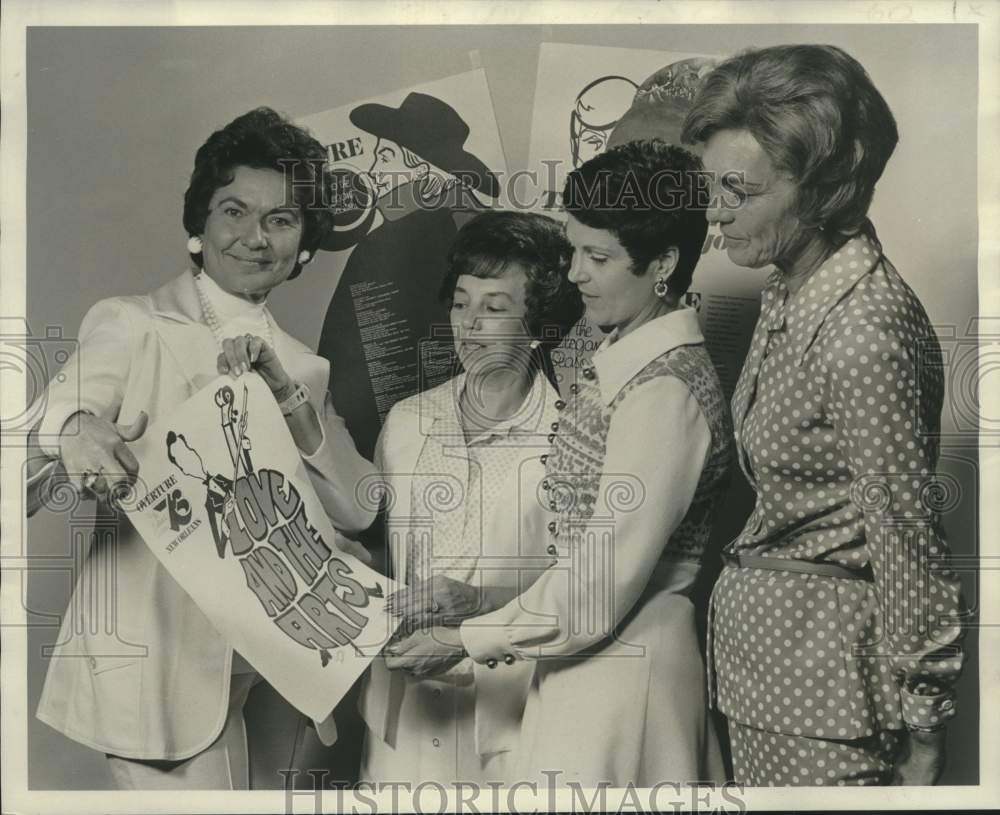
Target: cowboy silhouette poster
point(588, 98)
point(408, 168)
point(225, 503)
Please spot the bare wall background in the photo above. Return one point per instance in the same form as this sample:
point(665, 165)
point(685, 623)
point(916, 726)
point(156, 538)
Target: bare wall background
point(115, 116)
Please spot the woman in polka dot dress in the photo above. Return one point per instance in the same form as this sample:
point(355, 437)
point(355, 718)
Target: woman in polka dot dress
point(640, 458)
point(834, 645)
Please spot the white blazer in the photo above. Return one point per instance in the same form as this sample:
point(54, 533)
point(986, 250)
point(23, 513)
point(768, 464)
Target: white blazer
point(156, 685)
point(515, 549)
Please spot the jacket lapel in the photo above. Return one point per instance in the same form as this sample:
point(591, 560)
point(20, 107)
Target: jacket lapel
point(178, 320)
point(402, 446)
point(181, 325)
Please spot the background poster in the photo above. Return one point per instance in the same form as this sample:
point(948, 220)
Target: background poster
point(409, 167)
point(581, 93)
point(226, 504)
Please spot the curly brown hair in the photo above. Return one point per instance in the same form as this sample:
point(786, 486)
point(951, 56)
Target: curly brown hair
point(262, 139)
point(486, 245)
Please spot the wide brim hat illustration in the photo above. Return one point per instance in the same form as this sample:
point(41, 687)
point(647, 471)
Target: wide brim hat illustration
point(434, 131)
point(662, 102)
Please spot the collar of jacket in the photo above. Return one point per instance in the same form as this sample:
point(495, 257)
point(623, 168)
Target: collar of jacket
point(535, 414)
point(176, 308)
point(805, 313)
point(617, 361)
point(177, 300)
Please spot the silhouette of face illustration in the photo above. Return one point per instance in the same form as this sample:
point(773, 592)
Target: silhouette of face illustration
point(598, 108)
point(184, 457)
point(393, 165)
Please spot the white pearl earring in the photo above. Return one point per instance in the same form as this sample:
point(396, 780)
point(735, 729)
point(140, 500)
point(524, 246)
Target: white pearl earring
point(194, 245)
point(304, 257)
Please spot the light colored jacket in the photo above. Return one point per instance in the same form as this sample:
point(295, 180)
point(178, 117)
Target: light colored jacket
point(138, 670)
point(513, 549)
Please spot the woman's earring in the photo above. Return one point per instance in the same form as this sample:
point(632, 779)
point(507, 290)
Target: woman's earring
point(534, 345)
point(304, 257)
point(660, 288)
point(194, 245)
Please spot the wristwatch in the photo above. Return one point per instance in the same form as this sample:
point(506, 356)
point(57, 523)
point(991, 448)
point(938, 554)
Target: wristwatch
point(298, 398)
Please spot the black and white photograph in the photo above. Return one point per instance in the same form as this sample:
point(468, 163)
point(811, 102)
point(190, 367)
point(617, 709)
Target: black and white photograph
point(474, 407)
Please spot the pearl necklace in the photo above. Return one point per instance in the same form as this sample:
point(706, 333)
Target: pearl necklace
point(213, 319)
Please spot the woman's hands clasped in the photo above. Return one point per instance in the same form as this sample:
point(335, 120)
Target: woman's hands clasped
point(427, 652)
point(97, 458)
point(426, 642)
point(438, 601)
point(248, 352)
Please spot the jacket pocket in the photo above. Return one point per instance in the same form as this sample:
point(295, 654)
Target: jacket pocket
point(100, 665)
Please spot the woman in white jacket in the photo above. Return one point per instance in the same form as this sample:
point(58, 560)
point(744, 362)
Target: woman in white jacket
point(455, 457)
point(157, 688)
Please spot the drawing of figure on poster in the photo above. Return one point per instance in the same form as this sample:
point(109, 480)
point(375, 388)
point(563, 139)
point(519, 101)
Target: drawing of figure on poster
point(218, 488)
point(410, 181)
point(598, 108)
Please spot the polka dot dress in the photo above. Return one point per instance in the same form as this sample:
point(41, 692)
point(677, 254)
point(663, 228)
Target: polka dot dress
point(835, 414)
point(765, 759)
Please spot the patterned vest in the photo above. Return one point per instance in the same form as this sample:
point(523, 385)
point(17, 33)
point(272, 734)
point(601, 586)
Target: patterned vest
point(576, 462)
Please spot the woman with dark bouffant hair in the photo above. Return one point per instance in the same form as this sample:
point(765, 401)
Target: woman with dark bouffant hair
point(171, 716)
point(835, 646)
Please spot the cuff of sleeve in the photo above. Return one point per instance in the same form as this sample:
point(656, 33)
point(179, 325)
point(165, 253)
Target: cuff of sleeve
point(35, 487)
point(40, 475)
point(925, 711)
point(486, 643)
point(318, 452)
point(52, 423)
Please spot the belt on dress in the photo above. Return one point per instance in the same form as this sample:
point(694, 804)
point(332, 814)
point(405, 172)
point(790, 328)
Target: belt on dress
point(802, 566)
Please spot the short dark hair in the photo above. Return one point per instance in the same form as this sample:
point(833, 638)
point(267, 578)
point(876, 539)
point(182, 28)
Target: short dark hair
point(266, 140)
point(816, 113)
point(486, 245)
point(662, 184)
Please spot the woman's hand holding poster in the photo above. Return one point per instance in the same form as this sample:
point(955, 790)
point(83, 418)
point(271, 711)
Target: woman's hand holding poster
point(225, 502)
